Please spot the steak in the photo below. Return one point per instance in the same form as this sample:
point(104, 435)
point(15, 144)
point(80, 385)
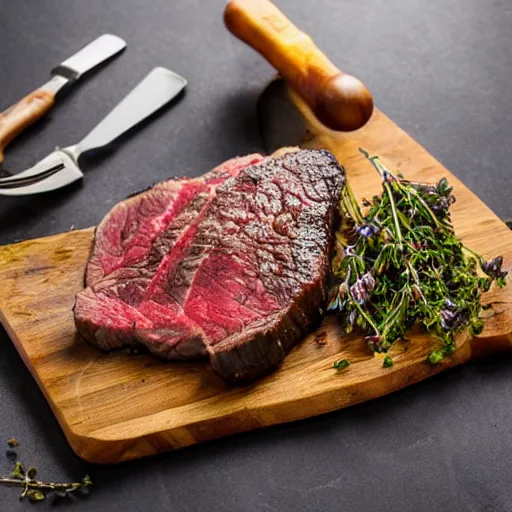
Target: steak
point(231, 266)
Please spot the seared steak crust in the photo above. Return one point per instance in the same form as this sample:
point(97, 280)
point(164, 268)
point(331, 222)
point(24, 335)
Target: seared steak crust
point(232, 265)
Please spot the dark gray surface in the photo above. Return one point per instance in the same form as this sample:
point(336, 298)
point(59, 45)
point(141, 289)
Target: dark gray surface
point(442, 70)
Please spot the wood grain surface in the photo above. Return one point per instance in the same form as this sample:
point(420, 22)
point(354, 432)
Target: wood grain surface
point(114, 407)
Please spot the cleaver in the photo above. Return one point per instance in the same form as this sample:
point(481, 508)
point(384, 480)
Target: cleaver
point(338, 101)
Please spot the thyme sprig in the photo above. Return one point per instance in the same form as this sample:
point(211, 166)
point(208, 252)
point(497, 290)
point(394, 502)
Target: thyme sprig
point(37, 490)
point(401, 263)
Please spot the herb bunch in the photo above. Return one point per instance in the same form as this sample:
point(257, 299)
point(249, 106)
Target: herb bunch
point(401, 263)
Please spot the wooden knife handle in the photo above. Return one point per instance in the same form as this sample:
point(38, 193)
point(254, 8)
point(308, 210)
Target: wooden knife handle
point(339, 101)
point(22, 114)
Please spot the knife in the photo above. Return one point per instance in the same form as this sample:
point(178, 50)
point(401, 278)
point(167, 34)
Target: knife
point(61, 167)
point(34, 106)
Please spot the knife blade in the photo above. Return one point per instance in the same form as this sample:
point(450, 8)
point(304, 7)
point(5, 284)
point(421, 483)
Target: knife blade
point(96, 52)
point(35, 105)
point(61, 167)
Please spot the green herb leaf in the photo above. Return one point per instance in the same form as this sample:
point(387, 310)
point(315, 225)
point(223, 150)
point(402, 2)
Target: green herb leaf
point(35, 495)
point(18, 471)
point(436, 356)
point(388, 362)
point(341, 364)
point(31, 472)
point(476, 327)
point(86, 481)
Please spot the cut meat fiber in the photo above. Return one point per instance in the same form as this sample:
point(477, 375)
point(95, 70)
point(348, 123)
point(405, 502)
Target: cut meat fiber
point(232, 265)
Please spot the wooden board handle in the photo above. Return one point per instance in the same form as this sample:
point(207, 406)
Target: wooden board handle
point(22, 114)
point(338, 100)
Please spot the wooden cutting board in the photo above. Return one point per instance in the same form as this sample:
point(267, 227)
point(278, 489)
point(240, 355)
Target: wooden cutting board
point(114, 407)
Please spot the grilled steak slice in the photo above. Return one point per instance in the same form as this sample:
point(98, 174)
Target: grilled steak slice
point(138, 229)
point(235, 270)
point(129, 246)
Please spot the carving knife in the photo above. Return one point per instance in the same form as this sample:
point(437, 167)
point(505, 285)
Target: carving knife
point(37, 104)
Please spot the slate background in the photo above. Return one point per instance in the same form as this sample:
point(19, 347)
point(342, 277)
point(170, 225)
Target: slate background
point(442, 70)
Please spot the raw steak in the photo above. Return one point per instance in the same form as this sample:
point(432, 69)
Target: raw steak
point(231, 265)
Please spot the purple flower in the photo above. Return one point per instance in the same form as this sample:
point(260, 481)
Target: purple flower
point(447, 318)
point(452, 319)
point(368, 282)
point(367, 230)
point(349, 251)
point(441, 205)
point(493, 267)
point(450, 305)
point(360, 291)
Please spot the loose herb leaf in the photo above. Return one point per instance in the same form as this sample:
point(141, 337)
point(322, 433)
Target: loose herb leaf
point(400, 263)
point(341, 364)
point(388, 362)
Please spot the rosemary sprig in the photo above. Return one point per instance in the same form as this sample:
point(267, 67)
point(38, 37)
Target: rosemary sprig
point(401, 263)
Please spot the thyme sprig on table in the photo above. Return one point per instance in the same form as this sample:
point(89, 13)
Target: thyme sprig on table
point(37, 490)
point(401, 263)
